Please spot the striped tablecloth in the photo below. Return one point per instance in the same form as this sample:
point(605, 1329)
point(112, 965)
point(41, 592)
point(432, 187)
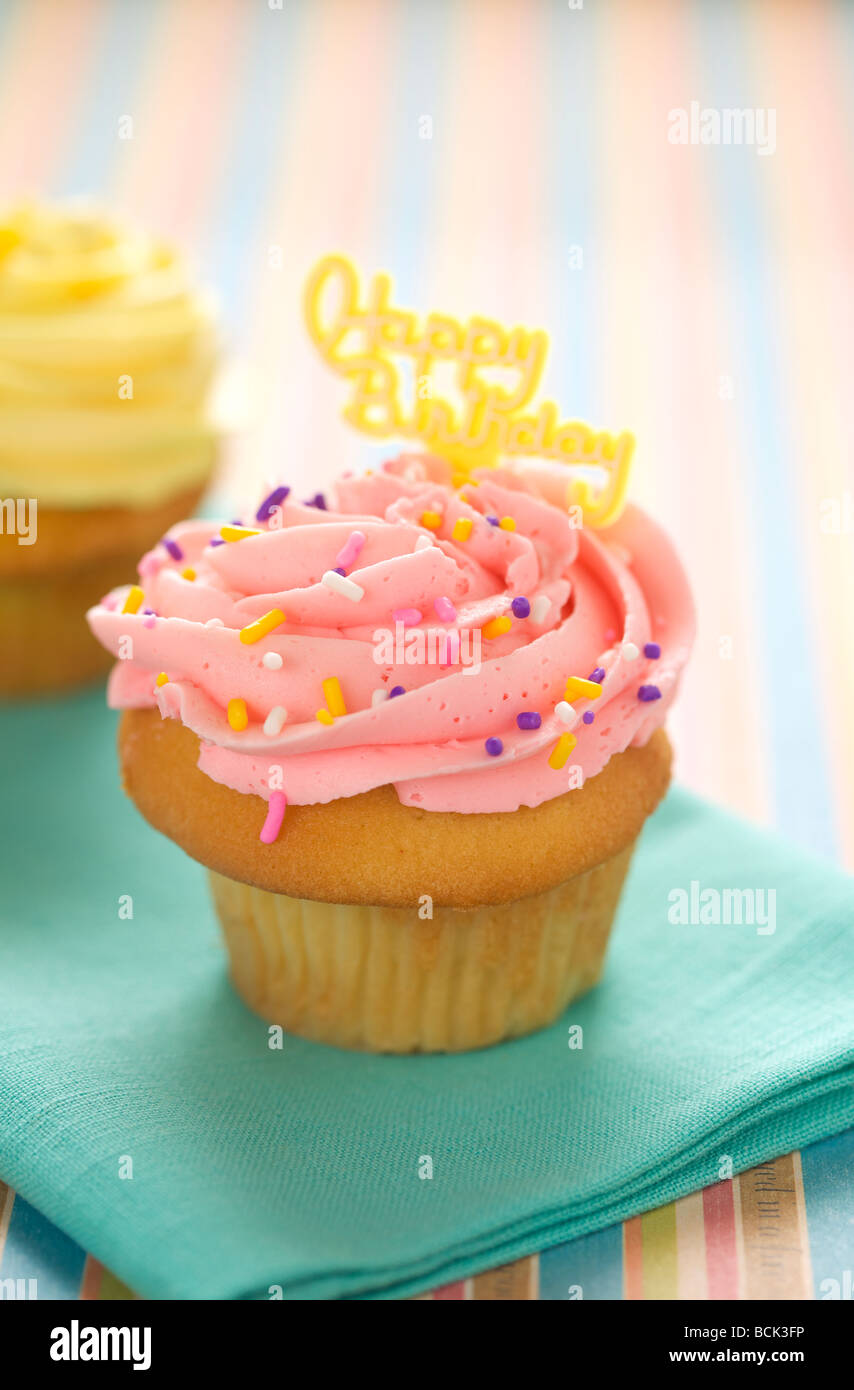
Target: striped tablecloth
point(511, 158)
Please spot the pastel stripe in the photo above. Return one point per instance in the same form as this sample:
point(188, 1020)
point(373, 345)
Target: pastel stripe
point(515, 1283)
point(722, 1270)
point(827, 1210)
point(692, 1282)
point(633, 1285)
point(775, 1249)
point(589, 1268)
point(658, 1245)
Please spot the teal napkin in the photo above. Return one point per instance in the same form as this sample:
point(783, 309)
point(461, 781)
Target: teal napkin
point(143, 1111)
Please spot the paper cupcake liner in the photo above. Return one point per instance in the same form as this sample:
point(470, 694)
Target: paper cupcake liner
point(387, 980)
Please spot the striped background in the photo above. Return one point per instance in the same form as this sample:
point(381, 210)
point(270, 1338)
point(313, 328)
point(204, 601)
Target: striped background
point(258, 127)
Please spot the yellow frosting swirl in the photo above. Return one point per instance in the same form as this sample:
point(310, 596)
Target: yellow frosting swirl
point(107, 356)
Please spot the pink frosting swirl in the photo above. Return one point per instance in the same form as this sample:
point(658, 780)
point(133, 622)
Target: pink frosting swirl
point(614, 601)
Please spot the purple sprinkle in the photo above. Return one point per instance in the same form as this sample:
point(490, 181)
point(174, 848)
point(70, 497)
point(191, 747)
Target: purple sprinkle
point(649, 692)
point(494, 746)
point(276, 498)
point(173, 547)
point(396, 690)
point(343, 573)
point(318, 500)
point(588, 716)
point(521, 607)
point(529, 719)
point(598, 675)
point(216, 540)
point(652, 650)
point(493, 521)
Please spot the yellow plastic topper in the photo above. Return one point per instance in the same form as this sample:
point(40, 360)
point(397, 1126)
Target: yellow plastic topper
point(465, 389)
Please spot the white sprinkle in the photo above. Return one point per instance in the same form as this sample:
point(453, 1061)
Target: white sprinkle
point(540, 608)
point(272, 661)
point(565, 712)
point(340, 584)
point(274, 721)
point(630, 651)
point(214, 622)
point(378, 697)
point(423, 543)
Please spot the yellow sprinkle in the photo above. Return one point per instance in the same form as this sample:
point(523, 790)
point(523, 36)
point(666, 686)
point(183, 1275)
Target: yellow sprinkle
point(324, 716)
point(134, 599)
point(161, 679)
point(253, 632)
point(562, 750)
point(460, 479)
point(333, 696)
point(432, 520)
point(188, 573)
point(462, 528)
point(497, 627)
point(237, 716)
point(578, 689)
point(507, 523)
point(237, 533)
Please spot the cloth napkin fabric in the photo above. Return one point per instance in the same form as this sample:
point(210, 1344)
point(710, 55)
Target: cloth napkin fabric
point(143, 1110)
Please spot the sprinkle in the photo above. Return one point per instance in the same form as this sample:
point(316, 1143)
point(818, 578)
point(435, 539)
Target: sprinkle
point(565, 713)
point(462, 528)
point(424, 543)
point(339, 584)
point(494, 746)
point(378, 696)
point(214, 622)
point(275, 815)
point(274, 721)
point(237, 533)
point(188, 573)
point(540, 608)
point(562, 750)
point(529, 719)
point(134, 599)
point(351, 550)
point(445, 610)
point(396, 690)
point(161, 679)
point(652, 650)
point(237, 716)
point(431, 520)
point(272, 661)
point(410, 617)
point(216, 540)
point(493, 521)
point(318, 500)
point(253, 632)
point(598, 675)
point(520, 608)
point(578, 689)
point(333, 696)
point(496, 628)
point(150, 620)
point(324, 716)
point(588, 716)
point(275, 499)
point(630, 651)
point(649, 692)
point(173, 547)
point(507, 523)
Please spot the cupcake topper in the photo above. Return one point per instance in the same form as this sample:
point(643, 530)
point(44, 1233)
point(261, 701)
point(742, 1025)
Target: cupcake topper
point(463, 388)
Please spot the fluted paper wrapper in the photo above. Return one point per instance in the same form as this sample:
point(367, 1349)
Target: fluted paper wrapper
point(385, 979)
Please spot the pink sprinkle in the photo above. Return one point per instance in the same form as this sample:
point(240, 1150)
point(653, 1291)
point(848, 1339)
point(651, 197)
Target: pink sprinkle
point(275, 816)
point(149, 621)
point(108, 602)
point(350, 551)
point(445, 609)
point(148, 565)
point(410, 617)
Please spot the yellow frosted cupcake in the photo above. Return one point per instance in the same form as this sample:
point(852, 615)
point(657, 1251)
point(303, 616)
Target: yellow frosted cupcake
point(107, 356)
point(414, 743)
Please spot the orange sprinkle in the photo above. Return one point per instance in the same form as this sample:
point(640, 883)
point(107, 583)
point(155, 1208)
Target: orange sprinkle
point(188, 573)
point(237, 533)
point(134, 599)
point(497, 627)
point(507, 523)
point(462, 528)
point(334, 698)
point(432, 520)
point(237, 716)
point(324, 716)
point(562, 750)
point(578, 689)
point(161, 679)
